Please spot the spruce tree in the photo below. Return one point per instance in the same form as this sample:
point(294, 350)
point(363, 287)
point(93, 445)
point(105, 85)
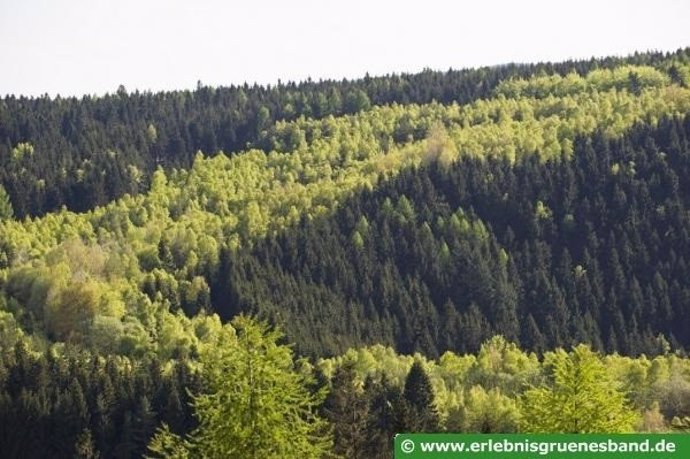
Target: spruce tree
point(84, 447)
point(346, 407)
point(420, 411)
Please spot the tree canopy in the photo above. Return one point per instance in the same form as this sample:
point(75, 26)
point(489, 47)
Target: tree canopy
point(582, 398)
point(429, 244)
point(255, 402)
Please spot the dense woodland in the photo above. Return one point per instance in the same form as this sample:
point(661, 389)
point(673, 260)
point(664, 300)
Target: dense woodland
point(442, 258)
point(442, 251)
point(92, 150)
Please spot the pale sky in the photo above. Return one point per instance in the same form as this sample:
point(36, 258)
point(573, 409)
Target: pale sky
point(76, 47)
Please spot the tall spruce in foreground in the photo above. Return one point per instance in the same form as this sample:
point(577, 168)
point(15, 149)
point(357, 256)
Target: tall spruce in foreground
point(256, 402)
point(581, 399)
point(420, 411)
point(384, 419)
point(347, 408)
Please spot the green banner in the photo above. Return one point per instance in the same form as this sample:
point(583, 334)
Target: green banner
point(547, 446)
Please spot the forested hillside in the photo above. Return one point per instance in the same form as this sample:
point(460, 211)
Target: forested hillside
point(83, 152)
point(115, 276)
point(442, 251)
point(439, 258)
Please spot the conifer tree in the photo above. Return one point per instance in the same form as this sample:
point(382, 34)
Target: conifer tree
point(254, 404)
point(85, 448)
point(386, 407)
point(346, 407)
point(582, 398)
point(420, 411)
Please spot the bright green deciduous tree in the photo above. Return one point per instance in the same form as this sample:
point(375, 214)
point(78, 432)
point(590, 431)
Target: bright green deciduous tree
point(581, 399)
point(255, 404)
point(487, 412)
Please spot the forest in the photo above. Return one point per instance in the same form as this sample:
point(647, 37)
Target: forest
point(202, 274)
point(92, 150)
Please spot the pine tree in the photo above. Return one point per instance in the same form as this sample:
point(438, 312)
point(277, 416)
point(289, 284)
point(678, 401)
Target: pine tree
point(386, 409)
point(144, 422)
point(85, 448)
point(420, 411)
point(126, 444)
point(346, 408)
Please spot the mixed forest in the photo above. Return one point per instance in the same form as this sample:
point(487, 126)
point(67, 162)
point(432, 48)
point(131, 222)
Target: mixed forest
point(307, 269)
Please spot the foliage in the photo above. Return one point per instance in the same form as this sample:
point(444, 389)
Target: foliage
point(65, 403)
point(162, 250)
point(86, 152)
point(454, 255)
point(435, 235)
point(485, 411)
point(347, 408)
point(169, 445)
point(255, 402)
point(6, 210)
point(580, 399)
point(420, 413)
point(89, 405)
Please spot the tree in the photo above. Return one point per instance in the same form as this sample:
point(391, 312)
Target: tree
point(6, 211)
point(487, 411)
point(263, 119)
point(384, 419)
point(73, 310)
point(167, 444)
point(582, 398)
point(420, 412)
point(84, 448)
point(144, 422)
point(255, 403)
point(356, 101)
point(346, 407)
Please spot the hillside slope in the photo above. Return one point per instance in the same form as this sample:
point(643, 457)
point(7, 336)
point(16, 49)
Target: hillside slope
point(591, 249)
point(550, 207)
point(115, 276)
point(87, 152)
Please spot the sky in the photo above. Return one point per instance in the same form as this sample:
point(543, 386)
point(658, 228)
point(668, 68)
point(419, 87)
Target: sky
point(77, 47)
